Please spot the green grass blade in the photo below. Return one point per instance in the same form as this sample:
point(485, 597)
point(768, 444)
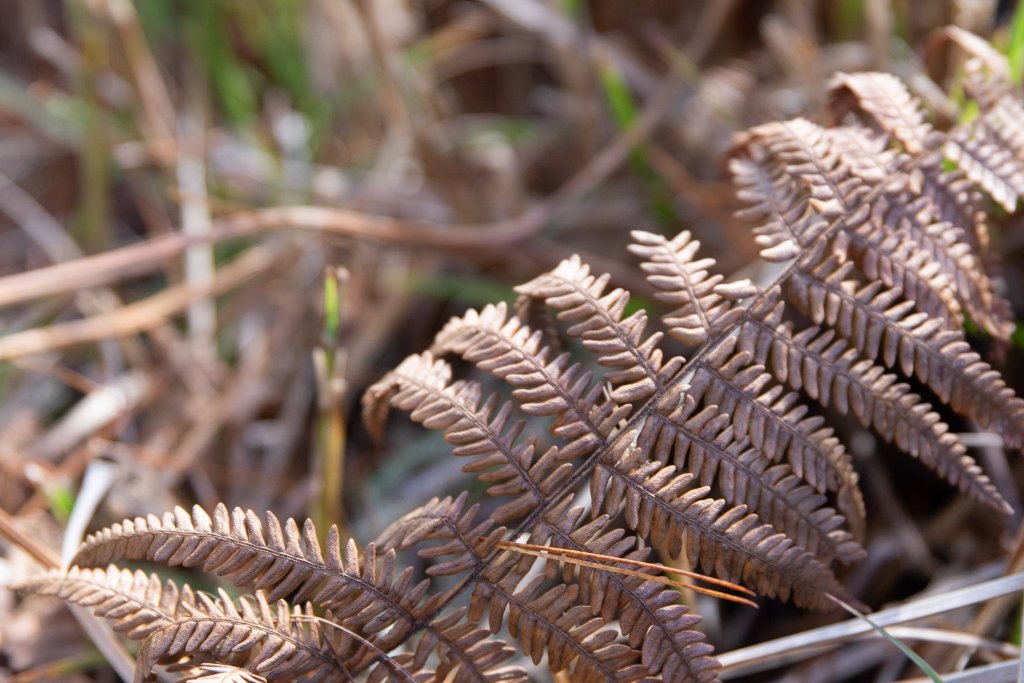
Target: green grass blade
point(1015, 48)
point(911, 655)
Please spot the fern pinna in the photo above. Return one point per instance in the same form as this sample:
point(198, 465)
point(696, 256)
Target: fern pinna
point(711, 457)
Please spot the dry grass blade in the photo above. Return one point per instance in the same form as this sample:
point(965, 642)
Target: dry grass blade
point(31, 545)
point(801, 645)
point(1003, 672)
point(606, 562)
point(954, 637)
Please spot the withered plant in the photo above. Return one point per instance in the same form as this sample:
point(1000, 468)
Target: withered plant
point(698, 444)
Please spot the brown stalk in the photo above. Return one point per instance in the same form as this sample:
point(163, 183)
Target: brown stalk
point(136, 317)
point(39, 552)
point(157, 118)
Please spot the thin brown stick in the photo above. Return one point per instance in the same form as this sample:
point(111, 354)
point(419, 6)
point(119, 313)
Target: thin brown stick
point(136, 317)
point(39, 552)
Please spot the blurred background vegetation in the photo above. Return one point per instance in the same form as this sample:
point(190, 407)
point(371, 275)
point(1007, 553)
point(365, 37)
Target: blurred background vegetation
point(285, 197)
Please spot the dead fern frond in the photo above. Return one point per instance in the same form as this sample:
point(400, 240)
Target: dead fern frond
point(137, 604)
point(705, 302)
point(721, 458)
point(270, 641)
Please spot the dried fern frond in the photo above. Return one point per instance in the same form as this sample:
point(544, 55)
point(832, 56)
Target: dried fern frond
point(544, 619)
point(507, 350)
point(177, 623)
point(832, 372)
point(884, 98)
point(272, 641)
point(880, 326)
point(990, 165)
point(722, 458)
point(281, 560)
point(597, 319)
point(137, 604)
point(704, 301)
point(663, 506)
point(670, 646)
point(545, 386)
point(703, 441)
point(481, 430)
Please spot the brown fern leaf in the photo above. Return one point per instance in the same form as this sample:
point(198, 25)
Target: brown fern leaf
point(1004, 120)
point(648, 613)
point(377, 400)
point(285, 561)
point(885, 99)
point(892, 238)
point(542, 620)
point(908, 242)
point(545, 621)
point(273, 642)
point(940, 260)
point(819, 455)
point(729, 542)
point(705, 303)
point(704, 443)
point(143, 607)
point(579, 296)
point(469, 539)
point(596, 318)
point(137, 604)
point(806, 152)
point(892, 235)
point(476, 431)
point(841, 167)
point(775, 421)
point(987, 163)
point(506, 348)
point(777, 198)
point(831, 372)
point(233, 544)
point(549, 620)
point(879, 325)
point(511, 351)
point(953, 199)
point(466, 651)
